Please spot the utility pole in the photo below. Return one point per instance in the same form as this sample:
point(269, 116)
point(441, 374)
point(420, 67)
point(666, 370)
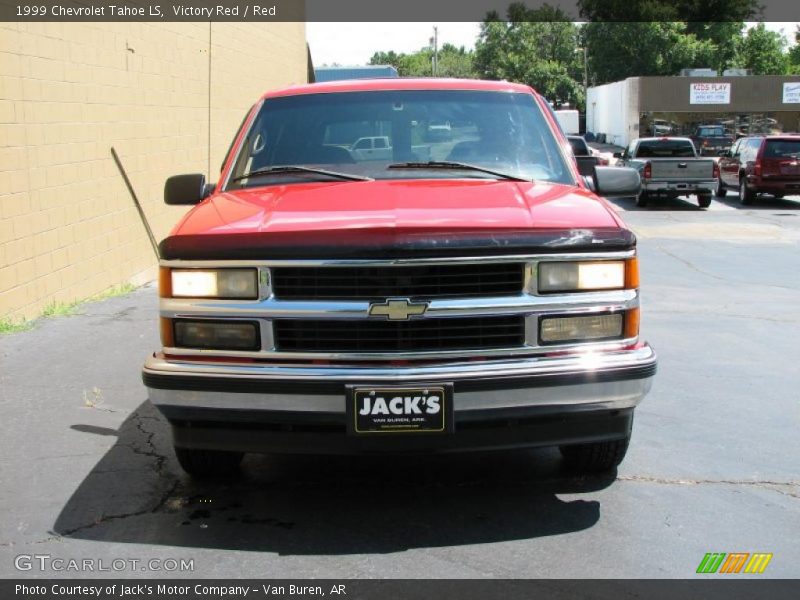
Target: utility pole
point(585, 70)
point(435, 51)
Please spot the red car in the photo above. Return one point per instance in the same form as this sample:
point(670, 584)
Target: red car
point(458, 293)
point(756, 165)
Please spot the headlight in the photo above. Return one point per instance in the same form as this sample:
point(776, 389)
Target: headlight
point(217, 335)
point(585, 276)
point(553, 330)
point(213, 283)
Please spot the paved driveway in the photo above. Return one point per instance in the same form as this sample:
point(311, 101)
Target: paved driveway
point(88, 470)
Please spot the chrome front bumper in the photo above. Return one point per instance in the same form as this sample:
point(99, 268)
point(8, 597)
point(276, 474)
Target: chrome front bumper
point(590, 381)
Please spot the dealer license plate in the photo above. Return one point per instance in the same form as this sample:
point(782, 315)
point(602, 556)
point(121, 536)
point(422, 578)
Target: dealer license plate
point(400, 409)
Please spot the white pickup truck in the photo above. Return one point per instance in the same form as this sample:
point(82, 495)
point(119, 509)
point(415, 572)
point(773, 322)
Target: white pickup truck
point(377, 147)
point(669, 167)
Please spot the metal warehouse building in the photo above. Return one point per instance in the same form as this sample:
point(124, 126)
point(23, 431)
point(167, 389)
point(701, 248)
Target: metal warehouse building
point(354, 72)
point(644, 106)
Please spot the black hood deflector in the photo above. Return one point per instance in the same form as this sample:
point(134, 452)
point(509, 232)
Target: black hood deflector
point(391, 244)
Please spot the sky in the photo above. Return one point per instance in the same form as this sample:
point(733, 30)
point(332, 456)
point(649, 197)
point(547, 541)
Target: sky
point(355, 43)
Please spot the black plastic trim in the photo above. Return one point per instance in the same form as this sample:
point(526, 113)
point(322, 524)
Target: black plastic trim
point(491, 431)
point(390, 244)
point(264, 419)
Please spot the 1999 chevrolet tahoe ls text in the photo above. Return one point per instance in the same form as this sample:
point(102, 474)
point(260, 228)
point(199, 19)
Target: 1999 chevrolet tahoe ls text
point(469, 292)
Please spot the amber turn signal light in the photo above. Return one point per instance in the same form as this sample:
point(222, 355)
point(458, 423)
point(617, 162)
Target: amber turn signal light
point(632, 273)
point(167, 332)
point(631, 323)
point(164, 282)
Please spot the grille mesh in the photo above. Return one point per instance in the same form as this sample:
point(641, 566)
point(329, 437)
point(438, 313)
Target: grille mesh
point(416, 335)
point(413, 281)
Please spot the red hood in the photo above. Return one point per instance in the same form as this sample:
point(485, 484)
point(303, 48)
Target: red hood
point(414, 206)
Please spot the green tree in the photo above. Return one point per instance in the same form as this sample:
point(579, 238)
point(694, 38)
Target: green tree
point(794, 54)
point(717, 24)
point(456, 62)
point(453, 62)
point(724, 37)
point(762, 51)
point(537, 47)
point(696, 13)
point(620, 50)
point(386, 58)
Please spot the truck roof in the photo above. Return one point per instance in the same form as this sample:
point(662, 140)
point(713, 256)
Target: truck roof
point(369, 85)
point(670, 138)
point(773, 136)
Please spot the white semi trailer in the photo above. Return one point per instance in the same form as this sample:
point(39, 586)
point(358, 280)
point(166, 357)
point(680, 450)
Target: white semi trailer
point(568, 118)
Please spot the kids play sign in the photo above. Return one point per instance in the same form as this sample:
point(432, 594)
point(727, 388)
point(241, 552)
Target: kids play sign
point(709, 93)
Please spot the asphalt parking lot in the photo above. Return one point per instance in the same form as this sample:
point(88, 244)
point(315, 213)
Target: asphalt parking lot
point(714, 465)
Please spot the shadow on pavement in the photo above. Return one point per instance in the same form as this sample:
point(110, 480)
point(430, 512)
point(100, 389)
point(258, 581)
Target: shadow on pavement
point(677, 204)
point(319, 504)
point(761, 202)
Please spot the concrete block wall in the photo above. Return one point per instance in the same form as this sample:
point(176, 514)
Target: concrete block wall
point(168, 96)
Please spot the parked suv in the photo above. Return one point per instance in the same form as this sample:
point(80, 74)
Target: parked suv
point(755, 165)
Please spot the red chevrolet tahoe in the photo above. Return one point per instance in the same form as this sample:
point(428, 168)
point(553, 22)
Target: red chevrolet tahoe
point(460, 292)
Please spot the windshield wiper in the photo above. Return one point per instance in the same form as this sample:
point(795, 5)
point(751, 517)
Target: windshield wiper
point(282, 169)
point(457, 166)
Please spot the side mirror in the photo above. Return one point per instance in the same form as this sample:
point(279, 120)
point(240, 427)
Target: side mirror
point(187, 189)
point(617, 181)
point(617, 154)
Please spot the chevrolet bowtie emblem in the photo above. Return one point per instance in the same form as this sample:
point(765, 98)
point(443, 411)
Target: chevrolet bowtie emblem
point(398, 309)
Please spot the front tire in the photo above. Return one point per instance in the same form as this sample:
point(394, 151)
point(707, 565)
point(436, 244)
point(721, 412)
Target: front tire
point(596, 457)
point(209, 464)
point(641, 199)
point(746, 195)
point(704, 200)
point(720, 192)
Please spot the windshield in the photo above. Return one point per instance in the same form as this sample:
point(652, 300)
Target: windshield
point(363, 133)
point(710, 131)
point(665, 148)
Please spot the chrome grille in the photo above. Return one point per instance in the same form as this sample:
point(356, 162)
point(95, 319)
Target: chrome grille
point(413, 281)
point(326, 309)
point(416, 335)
